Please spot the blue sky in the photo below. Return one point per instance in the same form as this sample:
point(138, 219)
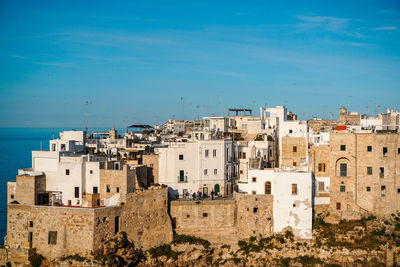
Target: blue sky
point(118, 62)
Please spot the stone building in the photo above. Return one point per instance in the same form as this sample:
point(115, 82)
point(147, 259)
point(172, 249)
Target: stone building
point(224, 221)
point(62, 231)
point(294, 153)
point(151, 161)
point(117, 179)
point(363, 169)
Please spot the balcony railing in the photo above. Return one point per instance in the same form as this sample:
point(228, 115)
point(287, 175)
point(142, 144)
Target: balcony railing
point(182, 179)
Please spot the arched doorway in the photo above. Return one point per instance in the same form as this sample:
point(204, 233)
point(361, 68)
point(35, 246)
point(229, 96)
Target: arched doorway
point(268, 188)
point(216, 188)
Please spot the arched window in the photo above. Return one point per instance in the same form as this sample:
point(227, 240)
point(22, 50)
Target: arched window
point(268, 188)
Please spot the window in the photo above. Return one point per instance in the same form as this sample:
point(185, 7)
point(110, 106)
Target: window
point(76, 192)
point(181, 175)
point(342, 147)
point(117, 189)
point(255, 210)
point(116, 224)
point(295, 149)
point(206, 153)
point(254, 179)
point(30, 223)
point(398, 150)
point(241, 171)
point(343, 169)
point(12, 196)
point(52, 238)
point(321, 167)
point(338, 205)
point(398, 190)
point(290, 131)
point(180, 157)
point(368, 189)
point(369, 148)
point(294, 163)
point(30, 237)
point(62, 147)
point(205, 214)
point(268, 188)
point(215, 171)
point(66, 171)
point(108, 188)
point(383, 191)
point(53, 147)
point(205, 171)
point(91, 171)
point(214, 153)
point(369, 170)
point(385, 151)
point(321, 186)
point(254, 192)
point(381, 172)
point(294, 189)
point(95, 190)
point(342, 188)
point(117, 166)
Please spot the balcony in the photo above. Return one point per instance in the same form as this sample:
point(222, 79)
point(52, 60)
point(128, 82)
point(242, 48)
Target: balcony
point(182, 179)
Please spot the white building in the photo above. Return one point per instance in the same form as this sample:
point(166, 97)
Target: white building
point(215, 124)
point(200, 165)
point(69, 173)
point(292, 193)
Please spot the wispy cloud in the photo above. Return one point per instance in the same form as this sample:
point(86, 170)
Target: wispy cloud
point(56, 64)
point(328, 22)
point(387, 28)
point(16, 56)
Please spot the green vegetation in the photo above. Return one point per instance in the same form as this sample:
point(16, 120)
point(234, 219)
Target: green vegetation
point(163, 250)
point(36, 260)
point(75, 257)
point(259, 138)
point(181, 239)
point(110, 260)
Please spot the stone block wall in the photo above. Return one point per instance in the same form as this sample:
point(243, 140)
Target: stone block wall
point(294, 151)
point(151, 161)
point(145, 218)
point(71, 229)
point(224, 221)
point(255, 215)
point(213, 220)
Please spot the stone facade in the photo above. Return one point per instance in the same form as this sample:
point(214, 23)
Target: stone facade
point(145, 218)
point(29, 187)
point(151, 161)
point(294, 151)
point(115, 184)
point(224, 221)
point(62, 231)
point(365, 170)
point(255, 215)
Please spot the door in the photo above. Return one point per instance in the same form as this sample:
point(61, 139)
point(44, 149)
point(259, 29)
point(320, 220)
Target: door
point(205, 191)
point(216, 188)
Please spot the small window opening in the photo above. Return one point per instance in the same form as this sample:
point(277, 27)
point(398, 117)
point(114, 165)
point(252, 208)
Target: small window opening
point(255, 210)
point(205, 214)
point(108, 188)
point(30, 223)
point(52, 238)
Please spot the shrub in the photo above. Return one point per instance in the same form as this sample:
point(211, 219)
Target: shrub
point(181, 239)
point(163, 250)
point(36, 260)
point(75, 257)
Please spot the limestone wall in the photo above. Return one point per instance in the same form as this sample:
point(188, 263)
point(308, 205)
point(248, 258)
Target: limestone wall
point(145, 219)
point(224, 221)
point(213, 220)
point(151, 161)
point(294, 151)
point(72, 229)
point(254, 215)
